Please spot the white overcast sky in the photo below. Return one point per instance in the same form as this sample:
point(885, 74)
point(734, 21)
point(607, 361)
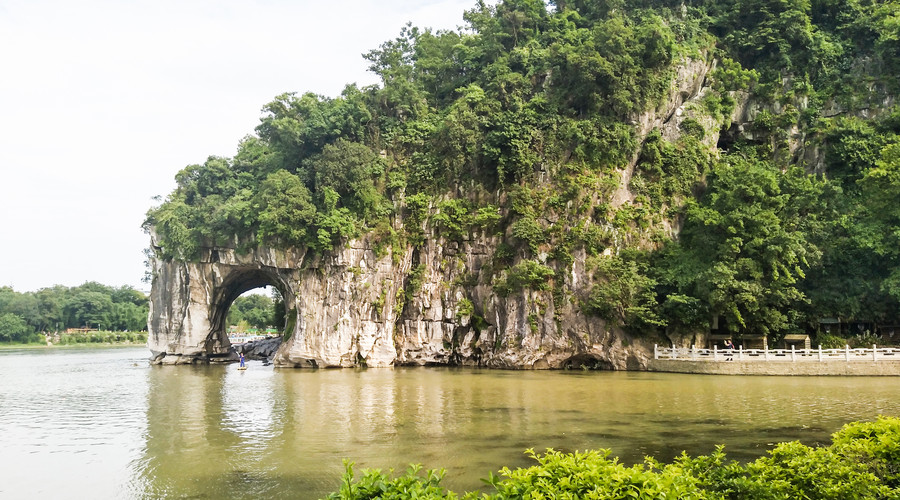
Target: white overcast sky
point(102, 102)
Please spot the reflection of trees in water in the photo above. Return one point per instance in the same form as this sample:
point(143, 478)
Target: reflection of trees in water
point(183, 413)
point(209, 432)
point(750, 414)
point(219, 432)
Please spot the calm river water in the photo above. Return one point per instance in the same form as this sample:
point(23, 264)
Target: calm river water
point(105, 424)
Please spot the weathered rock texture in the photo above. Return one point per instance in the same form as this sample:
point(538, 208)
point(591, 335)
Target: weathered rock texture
point(259, 349)
point(351, 309)
point(433, 304)
point(189, 300)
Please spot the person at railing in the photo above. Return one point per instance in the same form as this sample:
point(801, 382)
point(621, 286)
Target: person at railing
point(729, 346)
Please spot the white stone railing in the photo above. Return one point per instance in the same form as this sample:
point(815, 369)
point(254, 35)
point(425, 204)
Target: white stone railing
point(846, 354)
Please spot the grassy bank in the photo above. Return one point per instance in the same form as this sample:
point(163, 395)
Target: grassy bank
point(863, 462)
point(89, 339)
point(103, 337)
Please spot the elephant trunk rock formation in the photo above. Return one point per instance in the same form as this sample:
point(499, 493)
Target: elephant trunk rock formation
point(431, 304)
point(354, 308)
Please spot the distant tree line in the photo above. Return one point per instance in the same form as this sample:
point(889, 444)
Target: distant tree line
point(24, 315)
point(257, 311)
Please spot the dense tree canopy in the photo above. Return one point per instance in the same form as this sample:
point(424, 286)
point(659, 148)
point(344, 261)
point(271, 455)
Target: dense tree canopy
point(745, 245)
point(255, 311)
point(54, 309)
point(526, 121)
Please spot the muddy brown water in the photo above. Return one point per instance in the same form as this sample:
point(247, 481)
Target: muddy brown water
point(83, 423)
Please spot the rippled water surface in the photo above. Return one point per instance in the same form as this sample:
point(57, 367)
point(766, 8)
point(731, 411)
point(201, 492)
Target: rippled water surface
point(104, 424)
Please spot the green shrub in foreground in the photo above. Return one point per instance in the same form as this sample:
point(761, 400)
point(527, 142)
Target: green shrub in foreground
point(791, 470)
point(593, 475)
point(874, 444)
point(863, 462)
point(376, 484)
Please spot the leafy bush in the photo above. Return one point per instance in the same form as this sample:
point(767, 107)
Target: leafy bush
point(103, 337)
point(376, 484)
point(667, 170)
point(530, 232)
point(862, 463)
point(592, 474)
point(828, 341)
point(415, 280)
point(465, 308)
point(874, 444)
point(793, 470)
point(453, 218)
point(623, 293)
point(286, 210)
point(526, 274)
point(864, 340)
point(693, 128)
point(486, 217)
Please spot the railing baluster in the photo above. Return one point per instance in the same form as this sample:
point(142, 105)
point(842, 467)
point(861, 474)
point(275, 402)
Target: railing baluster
point(693, 353)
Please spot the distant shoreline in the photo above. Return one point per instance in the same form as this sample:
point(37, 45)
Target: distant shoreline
point(83, 345)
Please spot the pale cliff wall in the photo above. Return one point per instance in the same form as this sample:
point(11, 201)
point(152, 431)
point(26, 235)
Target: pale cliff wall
point(350, 309)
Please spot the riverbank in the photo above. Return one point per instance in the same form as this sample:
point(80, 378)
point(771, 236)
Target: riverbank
point(82, 345)
point(781, 368)
point(265, 349)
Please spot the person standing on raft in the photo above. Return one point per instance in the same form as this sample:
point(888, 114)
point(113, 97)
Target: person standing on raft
point(242, 360)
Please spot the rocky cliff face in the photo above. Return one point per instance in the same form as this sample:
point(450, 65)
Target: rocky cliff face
point(430, 304)
point(262, 349)
point(352, 309)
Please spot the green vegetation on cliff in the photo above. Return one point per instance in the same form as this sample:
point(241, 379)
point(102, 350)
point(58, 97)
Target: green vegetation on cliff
point(860, 463)
point(771, 204)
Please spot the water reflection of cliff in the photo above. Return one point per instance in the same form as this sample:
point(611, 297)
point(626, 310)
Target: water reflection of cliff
point(215, 432)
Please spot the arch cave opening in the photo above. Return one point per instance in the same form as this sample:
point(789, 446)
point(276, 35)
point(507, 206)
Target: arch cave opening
point(249, 315)
point(587, 362)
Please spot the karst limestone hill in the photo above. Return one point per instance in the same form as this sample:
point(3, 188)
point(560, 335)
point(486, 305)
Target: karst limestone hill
point(556, 185)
